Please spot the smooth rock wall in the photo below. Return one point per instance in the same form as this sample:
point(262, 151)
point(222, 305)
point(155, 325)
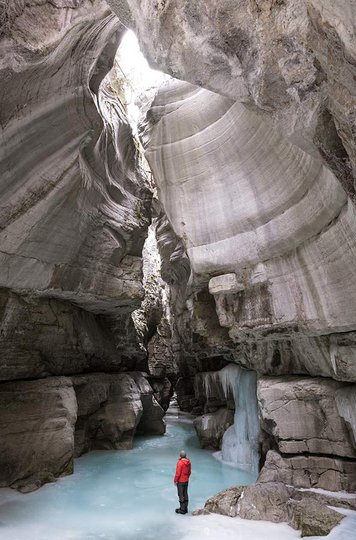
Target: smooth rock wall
point(75, 201)
point(37, 422)
point(293, 62)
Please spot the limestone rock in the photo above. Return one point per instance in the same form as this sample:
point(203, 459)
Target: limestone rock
point(225, 284)
point(225, 502)
point(333, 474)
point(211, 427)
point(163, 391)
point(340, 500)
point(66, 220)
point(293, 62)
point(111, 408)
point(152, 415)
point(41, 337)
point(160, 353)
point(273, 501)
point(265, 502)
point(302, 416)
point(75, 201)
point(200, 512)
point(314, 519)
point(37, 421)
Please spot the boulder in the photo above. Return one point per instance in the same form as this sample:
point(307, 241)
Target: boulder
point(211, 427)
point(37, 421)
point(273, 501)
point(265, 502)
point(313, 519)
point(225, 502)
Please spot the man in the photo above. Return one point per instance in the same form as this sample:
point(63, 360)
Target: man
point(181, 481)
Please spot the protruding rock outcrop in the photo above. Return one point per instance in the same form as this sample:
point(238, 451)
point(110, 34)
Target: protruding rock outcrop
point(293, 62)
point(309, 471)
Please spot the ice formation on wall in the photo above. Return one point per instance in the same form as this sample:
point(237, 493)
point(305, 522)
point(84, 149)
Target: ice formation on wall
point(240, 441)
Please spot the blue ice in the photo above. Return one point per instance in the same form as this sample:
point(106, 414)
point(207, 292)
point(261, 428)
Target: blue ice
point(129, 495)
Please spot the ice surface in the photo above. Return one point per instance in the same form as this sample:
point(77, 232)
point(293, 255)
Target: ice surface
point(129, 495)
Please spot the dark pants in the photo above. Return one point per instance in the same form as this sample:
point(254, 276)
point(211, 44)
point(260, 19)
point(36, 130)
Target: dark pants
point(183, 495)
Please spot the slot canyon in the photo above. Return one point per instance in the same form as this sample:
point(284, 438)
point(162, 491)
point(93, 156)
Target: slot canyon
point(177, 268)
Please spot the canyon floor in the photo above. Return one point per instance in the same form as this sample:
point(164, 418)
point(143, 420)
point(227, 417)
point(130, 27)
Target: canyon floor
point(130, 495)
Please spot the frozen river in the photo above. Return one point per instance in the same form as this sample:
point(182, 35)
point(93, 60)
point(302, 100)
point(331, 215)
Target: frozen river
point(129, 495)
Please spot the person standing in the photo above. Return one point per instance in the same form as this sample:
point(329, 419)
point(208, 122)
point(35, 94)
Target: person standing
point(181, 480)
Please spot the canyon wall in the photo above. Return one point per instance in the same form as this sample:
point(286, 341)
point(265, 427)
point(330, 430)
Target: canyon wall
point(253, 155)
point(254, 169)
point(75, 208)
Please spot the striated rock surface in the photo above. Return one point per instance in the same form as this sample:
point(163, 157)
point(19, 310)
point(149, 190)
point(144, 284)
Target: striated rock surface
point(37, 420)
point(309, 471)
point(252, 222)
point(293, 62)
point(302, 416)
point(75, 202)
point(269, 231)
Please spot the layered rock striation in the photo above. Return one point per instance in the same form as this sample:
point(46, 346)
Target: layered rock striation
point(260, 220)
point(291, 61)
point(75, 208)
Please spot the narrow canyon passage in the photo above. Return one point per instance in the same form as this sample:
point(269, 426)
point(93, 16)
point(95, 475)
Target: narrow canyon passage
point(129, 495)
point(177, 218)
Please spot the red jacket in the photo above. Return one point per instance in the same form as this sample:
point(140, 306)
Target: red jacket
point(183, 470)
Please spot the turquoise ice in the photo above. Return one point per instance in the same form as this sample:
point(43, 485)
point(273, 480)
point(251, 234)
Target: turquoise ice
point(129, 495)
